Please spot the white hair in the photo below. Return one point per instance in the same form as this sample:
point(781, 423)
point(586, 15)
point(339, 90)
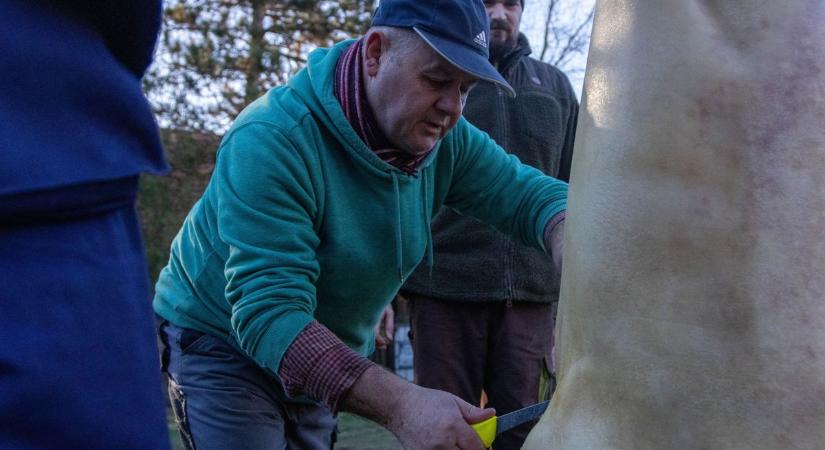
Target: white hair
point(399, 42)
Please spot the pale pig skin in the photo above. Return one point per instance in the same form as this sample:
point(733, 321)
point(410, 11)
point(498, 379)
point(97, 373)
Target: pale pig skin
point(692, 308)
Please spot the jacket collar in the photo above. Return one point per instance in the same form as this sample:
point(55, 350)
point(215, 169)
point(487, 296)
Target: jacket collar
point(521, 49)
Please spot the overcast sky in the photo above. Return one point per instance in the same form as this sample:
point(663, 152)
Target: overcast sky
point(533, 23)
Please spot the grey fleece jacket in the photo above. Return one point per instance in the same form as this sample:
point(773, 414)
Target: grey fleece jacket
point(473, 262)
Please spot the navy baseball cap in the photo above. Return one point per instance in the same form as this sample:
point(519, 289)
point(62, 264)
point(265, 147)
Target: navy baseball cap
point(458, 30)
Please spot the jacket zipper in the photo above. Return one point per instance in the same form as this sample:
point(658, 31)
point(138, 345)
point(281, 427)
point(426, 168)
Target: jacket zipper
point(504, 118)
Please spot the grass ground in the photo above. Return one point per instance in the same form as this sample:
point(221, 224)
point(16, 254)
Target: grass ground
point(174, 436)
point(354, 433)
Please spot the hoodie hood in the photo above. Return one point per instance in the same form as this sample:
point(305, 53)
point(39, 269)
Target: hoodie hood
point(314, 85)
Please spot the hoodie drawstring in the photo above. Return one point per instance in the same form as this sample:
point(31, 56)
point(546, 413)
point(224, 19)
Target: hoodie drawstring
point(428, 224)
point(399, 249)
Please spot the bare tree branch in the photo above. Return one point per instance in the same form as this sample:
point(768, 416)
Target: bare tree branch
point(574, 43)
point(565, 32)
point(548, 26)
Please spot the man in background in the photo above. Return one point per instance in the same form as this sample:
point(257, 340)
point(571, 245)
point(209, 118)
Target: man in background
point(482, 316)
point(78, 356)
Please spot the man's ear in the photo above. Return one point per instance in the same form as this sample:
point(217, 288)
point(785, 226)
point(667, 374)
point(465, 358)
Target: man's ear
point(373, 50)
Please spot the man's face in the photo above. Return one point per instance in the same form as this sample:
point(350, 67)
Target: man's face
point(505, 18)
point(416, 97)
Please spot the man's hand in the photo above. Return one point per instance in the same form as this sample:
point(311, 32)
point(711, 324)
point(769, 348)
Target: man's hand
point(385, 329)
point(431, 419)
point(420, 418)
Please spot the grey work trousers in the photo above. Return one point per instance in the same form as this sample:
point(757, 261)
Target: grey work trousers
point(223, 400)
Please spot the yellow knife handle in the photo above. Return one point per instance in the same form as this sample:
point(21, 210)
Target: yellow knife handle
point(486, 430)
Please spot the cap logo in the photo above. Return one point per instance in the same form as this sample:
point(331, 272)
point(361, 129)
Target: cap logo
point(481, 39)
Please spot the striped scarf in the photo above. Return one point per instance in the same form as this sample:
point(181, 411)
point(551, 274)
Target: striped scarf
point(349, 90)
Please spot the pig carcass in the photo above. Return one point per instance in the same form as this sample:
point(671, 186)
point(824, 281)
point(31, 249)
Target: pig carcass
point(692, 312)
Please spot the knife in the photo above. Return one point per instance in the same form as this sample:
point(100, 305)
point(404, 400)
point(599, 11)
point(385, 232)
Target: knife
point(488, 430)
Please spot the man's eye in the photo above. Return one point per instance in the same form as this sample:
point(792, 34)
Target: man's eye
point(468, 87)
point(437, 82)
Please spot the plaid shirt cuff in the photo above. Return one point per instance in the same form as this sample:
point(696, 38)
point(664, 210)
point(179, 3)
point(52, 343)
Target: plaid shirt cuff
point(320, 366)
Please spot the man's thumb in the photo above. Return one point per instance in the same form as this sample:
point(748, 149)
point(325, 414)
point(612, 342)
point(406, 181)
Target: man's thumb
point(473, 415)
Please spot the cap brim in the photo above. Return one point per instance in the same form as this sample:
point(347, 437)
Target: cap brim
point(465, 59)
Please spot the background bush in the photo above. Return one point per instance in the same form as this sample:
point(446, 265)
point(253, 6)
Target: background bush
point(163, 202)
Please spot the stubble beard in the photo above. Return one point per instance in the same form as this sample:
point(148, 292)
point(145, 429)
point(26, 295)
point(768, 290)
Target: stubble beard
point(500, 48)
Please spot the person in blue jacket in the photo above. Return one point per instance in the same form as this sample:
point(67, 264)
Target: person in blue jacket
point(78, 357)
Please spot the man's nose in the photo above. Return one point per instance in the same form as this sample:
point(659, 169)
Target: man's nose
point(496, 11)
point(450, 103)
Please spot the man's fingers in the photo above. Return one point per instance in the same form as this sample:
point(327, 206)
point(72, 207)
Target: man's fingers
point(466, 437)
point(381, 341)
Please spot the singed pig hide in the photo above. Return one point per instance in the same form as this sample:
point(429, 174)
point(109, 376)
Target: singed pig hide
point(692, 312)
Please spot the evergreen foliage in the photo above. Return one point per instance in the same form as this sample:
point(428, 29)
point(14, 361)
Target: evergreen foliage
point(163, 202)
point(215, 56)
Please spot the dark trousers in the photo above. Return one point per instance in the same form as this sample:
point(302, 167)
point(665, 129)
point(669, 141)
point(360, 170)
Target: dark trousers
point(223, 400)
point(502, 348)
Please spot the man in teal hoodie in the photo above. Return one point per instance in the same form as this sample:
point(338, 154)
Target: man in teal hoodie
point(318, 209)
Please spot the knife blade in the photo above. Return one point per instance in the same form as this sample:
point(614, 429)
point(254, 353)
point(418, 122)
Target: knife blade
point(488, 429)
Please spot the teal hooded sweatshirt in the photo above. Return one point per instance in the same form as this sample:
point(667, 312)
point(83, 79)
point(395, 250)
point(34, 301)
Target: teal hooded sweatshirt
point(302, 221)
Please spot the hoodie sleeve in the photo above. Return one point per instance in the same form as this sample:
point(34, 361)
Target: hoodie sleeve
point(266, 209)
point(496, 188)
